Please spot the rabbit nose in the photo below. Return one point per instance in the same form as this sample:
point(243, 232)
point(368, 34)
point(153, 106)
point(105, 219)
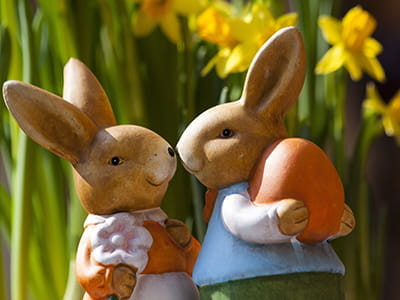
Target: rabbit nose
point(171, 152)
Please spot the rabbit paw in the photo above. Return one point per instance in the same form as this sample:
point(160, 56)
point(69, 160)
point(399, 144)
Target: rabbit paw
point(347, 223)
point(292, 216)
point(124, 280)
point(179, 232)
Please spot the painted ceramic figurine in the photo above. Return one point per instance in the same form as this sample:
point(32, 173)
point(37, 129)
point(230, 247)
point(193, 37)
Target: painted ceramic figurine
point(129, 248)
point(273, 202)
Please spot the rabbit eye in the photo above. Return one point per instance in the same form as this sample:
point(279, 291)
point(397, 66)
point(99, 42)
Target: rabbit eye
point(226, 133)
point(115, 161)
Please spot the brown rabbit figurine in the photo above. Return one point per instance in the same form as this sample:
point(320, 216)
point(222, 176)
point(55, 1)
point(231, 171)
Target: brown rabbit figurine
point(273, 201)
point(129, 248)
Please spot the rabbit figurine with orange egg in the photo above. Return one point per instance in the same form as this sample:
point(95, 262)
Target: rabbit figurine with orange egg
point(273, 202)
point(129, 248)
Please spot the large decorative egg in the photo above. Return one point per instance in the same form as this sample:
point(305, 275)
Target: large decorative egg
point(295, 168)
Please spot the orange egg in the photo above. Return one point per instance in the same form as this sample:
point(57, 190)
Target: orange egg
point(295, 168)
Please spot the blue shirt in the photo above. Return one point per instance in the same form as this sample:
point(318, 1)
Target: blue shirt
point(225, 257)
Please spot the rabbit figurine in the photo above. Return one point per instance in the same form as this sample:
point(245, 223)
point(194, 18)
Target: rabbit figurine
point(273, 202)
point(129, 247)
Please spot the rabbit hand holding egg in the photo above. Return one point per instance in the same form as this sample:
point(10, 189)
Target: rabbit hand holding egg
point(129, 247)
point(273, 201)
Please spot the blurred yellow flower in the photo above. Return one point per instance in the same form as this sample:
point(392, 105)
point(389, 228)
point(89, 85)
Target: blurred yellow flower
point(164, 13)
point(239, 37)
point(352, 45)
point(213, 27)
point(252, 32)
point(390, 113)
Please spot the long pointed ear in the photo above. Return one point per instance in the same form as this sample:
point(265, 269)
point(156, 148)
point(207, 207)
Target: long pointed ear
point(276, 74)
point(49, 120)
point(82, 89)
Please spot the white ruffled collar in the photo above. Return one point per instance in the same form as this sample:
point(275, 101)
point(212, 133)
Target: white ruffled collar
point(122, 238)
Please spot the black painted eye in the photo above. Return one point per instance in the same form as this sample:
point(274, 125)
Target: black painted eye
point(115, 161)
point(171, 152)
point(226, 133)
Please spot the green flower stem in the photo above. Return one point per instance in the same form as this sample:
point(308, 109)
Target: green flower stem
point(378, 244)
point(186, 78)
point(277, 7)
point(53, 212)
point(60, 24)
point(358, 196)
point(73, 290)
point(336, 97)
point(39, 262)
point(133, 101)
point(5, 213)
point(9, 19)
point(22, 183)
point(5, 57)
point(109, 38)
point(292, 120)
point(115, 62)
point(3, 286)
point(21, 218)
point(75, 229)
point(198, 203)
point(312, 110)
point(187, 103)
point(8, 34)
point(308, 14)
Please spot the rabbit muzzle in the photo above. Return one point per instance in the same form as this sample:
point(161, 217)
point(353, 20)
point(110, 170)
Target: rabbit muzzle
point(189, 161)
point(161, 172)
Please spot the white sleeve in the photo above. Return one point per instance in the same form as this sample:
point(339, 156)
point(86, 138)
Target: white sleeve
point(251, 223)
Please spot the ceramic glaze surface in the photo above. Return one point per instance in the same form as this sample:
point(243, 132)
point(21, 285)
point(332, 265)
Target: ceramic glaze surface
point(225, 257)
point(121, 238)
point(121, 175)
point(242, 148)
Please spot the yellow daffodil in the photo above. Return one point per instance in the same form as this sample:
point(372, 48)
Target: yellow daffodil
point(164, 13)
point(239, 37)
point(390, 113)
point(352, 47)
point(213, 26)
point(252, 32)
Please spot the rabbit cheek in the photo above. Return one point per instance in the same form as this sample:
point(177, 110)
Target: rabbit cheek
point(102, 189)
point(157, 178)
point(159, 167)
point(224, 160)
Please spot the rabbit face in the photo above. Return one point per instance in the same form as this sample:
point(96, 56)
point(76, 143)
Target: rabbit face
point(221, 145)
point(116, 168)
point(127, 168)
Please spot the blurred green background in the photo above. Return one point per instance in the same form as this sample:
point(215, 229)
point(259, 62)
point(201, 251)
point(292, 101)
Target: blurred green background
point(155, 81)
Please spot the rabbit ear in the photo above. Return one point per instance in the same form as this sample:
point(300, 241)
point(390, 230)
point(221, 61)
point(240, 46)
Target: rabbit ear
point(276, 74)
point(82, 89)
point(49, 120)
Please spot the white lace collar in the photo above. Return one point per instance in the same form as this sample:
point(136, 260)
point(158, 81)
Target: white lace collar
point(122, 238)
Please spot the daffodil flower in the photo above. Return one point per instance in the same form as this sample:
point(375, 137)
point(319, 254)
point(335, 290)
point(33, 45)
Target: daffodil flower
point(213, 26)
point(252, 32)
point(165, 14)
point(390, 113)
point(352, 47)
point(239, 37)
